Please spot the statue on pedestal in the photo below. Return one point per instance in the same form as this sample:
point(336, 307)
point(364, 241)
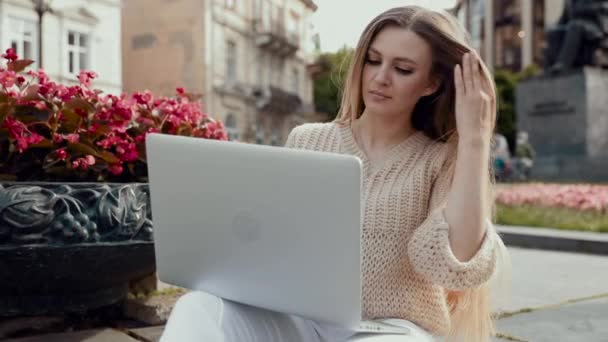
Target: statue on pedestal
point(580, 37)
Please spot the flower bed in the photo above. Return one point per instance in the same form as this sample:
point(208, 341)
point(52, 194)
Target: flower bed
point(54, 132)
point(75, 221)
point(565, 206)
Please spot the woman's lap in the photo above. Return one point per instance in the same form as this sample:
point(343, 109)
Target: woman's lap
point(199, 316)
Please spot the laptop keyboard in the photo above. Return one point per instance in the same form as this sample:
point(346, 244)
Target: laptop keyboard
point(381, 327)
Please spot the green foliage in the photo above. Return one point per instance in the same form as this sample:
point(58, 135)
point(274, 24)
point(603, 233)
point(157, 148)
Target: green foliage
point(329, 84)
point(506, 83)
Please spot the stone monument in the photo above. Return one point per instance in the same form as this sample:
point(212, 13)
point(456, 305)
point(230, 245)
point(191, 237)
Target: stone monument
point(565, 109)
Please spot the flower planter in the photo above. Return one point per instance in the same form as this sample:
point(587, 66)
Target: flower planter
point(71, 247)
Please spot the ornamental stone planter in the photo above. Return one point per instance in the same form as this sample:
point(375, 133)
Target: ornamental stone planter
point(71, 247)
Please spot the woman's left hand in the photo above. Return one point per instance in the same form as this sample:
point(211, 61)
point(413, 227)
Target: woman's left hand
point(475, 101)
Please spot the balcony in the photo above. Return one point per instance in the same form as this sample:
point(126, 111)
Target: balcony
point(275, 39)
point(275, 101)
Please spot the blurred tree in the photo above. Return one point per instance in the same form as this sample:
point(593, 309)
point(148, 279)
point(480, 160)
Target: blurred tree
point(506, 82)
point(328, 85)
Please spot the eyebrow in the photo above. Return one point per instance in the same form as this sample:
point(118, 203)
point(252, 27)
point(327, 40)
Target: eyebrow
point(402, 59)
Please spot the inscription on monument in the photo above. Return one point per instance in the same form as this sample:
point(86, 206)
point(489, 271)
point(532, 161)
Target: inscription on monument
point(552, 108)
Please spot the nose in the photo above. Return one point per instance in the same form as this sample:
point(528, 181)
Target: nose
point(382, 75)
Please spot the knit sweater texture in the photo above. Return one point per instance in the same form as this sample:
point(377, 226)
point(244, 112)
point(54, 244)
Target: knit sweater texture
point(407, 263)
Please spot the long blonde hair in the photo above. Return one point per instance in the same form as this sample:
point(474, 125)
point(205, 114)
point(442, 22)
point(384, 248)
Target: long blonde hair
point(470, 310)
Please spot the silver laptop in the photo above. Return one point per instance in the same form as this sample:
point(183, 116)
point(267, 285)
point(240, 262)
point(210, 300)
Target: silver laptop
point(271, 227)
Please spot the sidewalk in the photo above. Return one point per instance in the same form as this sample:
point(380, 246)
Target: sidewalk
point(557, 295)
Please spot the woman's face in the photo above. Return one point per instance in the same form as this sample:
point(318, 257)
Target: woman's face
point(397, 72)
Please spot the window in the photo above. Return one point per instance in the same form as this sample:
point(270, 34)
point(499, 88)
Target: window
point(231, 62)
point(260, 69)
point(295, 81)
point(266, 13)
point(231, 127)
point(271, 67)
point(274, 137)
point(78, 52)
point(281, 67)
point(293, 27)
point(23, 38)
point(259, 134)
point(477, 24)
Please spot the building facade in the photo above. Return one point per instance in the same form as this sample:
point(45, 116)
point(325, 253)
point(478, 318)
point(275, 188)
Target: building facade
point(509, 34)
point(250, 59)
point(76, 35)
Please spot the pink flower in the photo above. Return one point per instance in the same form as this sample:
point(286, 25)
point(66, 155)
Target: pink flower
point(43, 90)
point(115, 169)
point(116, 124)
point(8, 78)
point(576, 197)
point(143, 98)
point(90, 159)
point(42, 77)
point(73, 137)
point(83, 163)
point(80, 112)
point(85, 77)
point(57, 138)
point(10, 55)
point(41, 105)
point(62, 154)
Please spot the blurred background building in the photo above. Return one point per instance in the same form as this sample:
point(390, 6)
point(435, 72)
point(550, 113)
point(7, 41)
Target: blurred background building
point(250, 59)
point(72, 35)
point(509, 34)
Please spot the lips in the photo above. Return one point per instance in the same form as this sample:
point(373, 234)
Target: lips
point(379, 94)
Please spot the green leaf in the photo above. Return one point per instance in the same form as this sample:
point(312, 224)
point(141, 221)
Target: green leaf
point(5, 109)
point(4, 98)
point(141, 150)
point(28, 114)
point(102, 130)
point(109, 157)
point(31, 94)
point(82, 149)
point(71, 117)
point(19, 65)
point(45, 143)
point(79, 103)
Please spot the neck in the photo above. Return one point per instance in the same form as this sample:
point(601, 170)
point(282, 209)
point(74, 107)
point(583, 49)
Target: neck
point(379, 132)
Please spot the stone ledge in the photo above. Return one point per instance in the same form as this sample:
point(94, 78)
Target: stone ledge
point(553, 239)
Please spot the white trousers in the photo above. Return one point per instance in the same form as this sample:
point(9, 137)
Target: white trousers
point(199, 316)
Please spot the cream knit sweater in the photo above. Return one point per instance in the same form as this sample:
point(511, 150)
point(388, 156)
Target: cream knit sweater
point(407, 262)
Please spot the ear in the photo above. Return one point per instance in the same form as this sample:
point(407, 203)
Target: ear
point(434, 83)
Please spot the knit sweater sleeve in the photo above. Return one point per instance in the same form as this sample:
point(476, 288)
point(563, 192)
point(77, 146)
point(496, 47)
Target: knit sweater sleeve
point(430, 251)
point(291, 138)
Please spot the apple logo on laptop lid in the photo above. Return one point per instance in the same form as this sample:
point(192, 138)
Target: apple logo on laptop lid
point(246, 227)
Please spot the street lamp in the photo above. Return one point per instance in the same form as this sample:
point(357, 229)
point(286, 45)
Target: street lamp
point(41, 7)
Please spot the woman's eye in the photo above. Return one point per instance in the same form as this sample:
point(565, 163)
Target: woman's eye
point(404, 71)
point(373, 61)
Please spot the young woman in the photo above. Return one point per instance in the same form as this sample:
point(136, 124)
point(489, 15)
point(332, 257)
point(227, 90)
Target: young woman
point(419, 110)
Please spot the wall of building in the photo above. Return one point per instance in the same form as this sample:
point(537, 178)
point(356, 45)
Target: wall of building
point(99, 20)
point(163, 46)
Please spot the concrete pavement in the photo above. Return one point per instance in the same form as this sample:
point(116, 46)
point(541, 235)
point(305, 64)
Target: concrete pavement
point(556, 296)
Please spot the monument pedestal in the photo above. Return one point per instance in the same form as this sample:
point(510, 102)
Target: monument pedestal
point(566, 116)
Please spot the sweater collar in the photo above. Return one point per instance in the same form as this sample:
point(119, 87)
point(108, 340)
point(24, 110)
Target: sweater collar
point(410, 144)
